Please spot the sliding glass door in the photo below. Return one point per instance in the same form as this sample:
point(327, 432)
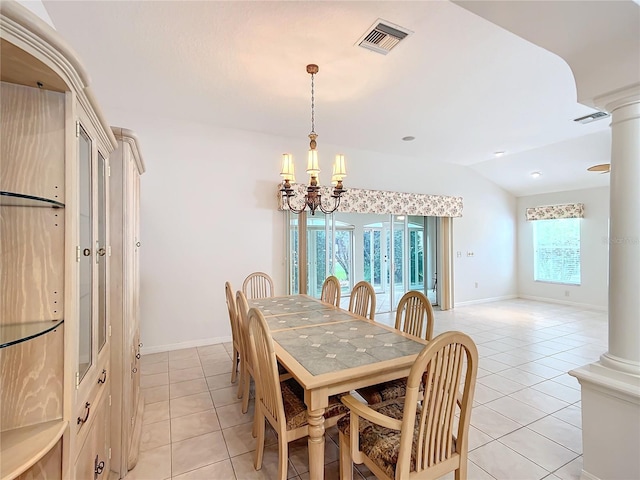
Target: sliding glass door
point(395, 253)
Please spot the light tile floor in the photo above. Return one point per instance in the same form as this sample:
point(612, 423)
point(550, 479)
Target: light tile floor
point(526, 421)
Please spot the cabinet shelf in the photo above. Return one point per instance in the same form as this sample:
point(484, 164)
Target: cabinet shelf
point(23, 447)
point(12, 199)
point(20, 332)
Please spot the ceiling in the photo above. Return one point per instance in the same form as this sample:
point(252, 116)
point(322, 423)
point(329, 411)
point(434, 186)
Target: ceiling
point(461, 85)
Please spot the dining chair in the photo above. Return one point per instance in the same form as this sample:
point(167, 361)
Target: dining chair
point(413, 314)
point(258, 285)
point(246, 363)
point(418, 436)
point(279, 403)
point(331, 291)
point(235, 334)
point(363, 300)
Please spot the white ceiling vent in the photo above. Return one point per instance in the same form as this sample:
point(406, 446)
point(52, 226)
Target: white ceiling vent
point(383, 36)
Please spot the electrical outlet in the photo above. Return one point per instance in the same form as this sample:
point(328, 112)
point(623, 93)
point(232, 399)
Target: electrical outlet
point(458, 254)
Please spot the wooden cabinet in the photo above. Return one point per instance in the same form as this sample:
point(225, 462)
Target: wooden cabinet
point(32, 234)
point(92, 461)
point(54, 341)
point(127, 406)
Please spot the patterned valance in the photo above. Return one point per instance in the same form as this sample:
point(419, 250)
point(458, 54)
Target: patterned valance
point(357, 200)
point(553, 212)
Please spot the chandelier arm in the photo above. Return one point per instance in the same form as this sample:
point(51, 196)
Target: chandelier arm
point(329, 211)
point(295, 210)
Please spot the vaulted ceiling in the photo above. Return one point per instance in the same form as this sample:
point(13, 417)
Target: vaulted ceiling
point(461, 85)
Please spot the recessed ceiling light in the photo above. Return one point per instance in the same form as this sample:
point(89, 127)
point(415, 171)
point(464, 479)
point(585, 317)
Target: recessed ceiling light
point(499, 153)
point(536, 174)
point(408, 138)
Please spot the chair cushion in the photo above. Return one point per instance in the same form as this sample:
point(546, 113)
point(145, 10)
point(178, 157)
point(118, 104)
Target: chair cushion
point(295, 409)
point(384, 391)
point(380, 444)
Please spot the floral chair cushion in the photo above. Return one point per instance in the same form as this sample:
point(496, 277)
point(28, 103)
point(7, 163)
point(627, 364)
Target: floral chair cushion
point(380, 444)
point(384, 391)
point(295, 409)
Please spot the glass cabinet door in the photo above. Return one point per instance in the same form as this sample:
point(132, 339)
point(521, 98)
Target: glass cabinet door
point(101, 251)
point(85, 255)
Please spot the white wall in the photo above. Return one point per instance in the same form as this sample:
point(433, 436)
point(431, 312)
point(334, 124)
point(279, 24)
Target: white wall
point(208, 215)
point(594, 251)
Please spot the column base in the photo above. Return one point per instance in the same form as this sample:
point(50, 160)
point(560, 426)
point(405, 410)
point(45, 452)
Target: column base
point(620, 364)
point(610, 422)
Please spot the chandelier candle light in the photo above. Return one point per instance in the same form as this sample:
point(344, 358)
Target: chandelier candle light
point(313, 198)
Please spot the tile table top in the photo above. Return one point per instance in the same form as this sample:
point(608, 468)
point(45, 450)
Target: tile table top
point(289, 304)
point(330, 347)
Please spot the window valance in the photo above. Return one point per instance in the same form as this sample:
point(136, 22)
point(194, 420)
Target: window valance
point(553, 212)
point(358, 200)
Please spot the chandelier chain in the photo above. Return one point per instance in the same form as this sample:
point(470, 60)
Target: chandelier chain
point(313, 118)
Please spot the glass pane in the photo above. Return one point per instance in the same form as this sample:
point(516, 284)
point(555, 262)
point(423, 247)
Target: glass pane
point(366, 252)
point(430, 260)
point(344, 262)
point(101, 250)
point(294, 272)
point(557, 250)
point(316, 254)
point(398, 267)
point(377, 260)
point(416, 254)
point(86, 249)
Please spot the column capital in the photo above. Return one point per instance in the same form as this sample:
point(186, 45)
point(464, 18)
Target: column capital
point(613, 100)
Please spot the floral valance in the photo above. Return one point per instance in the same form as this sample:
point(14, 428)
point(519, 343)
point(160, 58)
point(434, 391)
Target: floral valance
point(357, 200)
point(553, 212)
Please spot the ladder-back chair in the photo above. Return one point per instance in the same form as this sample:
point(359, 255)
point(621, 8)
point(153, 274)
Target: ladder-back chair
point(258, 285)
point(363, 300)
point(419, 436)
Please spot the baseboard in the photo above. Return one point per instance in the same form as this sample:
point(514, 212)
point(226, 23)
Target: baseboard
point(180, 346)
point(485, 300)
point(587, 476)
point(564, 302)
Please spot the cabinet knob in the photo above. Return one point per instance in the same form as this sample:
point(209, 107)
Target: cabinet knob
point(134, 370)
point(102, 251)
point(103, 376)
point(86, 252)
point(140, 344)
point(86, 416)
point(138, 356)
point(138, 244)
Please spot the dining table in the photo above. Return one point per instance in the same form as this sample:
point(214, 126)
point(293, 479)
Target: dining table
point(330, 351)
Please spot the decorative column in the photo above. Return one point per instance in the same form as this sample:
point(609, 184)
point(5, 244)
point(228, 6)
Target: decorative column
point(624, 239)
point(611, 386)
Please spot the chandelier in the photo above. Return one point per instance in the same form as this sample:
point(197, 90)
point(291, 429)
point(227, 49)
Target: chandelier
point(313, 198)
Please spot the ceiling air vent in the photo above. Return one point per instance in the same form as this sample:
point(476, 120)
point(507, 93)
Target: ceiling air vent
point(382, 37)
point(591, 117)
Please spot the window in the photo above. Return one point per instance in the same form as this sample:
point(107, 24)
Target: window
point(556, 246)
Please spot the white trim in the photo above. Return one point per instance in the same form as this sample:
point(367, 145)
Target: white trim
point(587, 476)
point(485, 300)
point(564, 302)
point(613, 383)
point(179, 346)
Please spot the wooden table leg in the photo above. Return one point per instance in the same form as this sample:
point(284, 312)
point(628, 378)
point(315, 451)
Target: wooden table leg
point(316, 444)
